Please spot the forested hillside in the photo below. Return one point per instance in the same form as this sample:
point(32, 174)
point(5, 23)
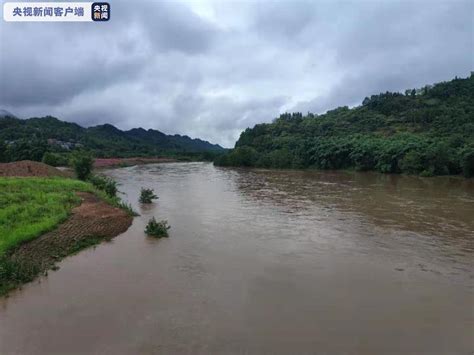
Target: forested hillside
point(32, 138)
point(427, 131)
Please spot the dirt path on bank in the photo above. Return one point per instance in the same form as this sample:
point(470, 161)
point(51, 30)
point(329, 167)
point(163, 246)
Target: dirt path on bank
point(90, 222)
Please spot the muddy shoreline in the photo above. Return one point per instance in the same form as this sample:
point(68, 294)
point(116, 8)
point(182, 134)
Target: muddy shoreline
point(91, 222)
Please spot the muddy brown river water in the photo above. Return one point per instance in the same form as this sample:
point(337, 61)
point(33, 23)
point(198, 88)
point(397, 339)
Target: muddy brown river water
point(264, 262)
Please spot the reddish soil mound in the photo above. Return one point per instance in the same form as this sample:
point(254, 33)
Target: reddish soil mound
point(94, 219)
point(30, 168)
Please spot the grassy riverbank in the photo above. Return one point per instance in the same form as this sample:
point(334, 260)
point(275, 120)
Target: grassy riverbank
point(32, 207)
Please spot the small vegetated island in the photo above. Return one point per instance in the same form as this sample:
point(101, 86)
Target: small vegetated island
point(427, 131)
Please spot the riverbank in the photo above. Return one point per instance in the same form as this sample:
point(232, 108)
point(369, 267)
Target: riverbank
point(44, 219)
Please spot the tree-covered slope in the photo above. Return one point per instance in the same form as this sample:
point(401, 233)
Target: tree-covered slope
point(31, 138)
point(429, 131)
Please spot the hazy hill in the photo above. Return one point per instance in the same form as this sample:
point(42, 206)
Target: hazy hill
point(5, 113)
point(428, 131)
point(51, 134)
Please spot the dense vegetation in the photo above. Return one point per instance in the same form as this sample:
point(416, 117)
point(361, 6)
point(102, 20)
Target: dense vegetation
point(429, 131)
point(51, 140)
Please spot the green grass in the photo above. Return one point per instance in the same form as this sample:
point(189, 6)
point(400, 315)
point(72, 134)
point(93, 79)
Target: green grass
point(30, 207)
point(14, 273)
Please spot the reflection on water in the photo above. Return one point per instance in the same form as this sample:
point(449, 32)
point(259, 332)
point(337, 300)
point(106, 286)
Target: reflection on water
point(258, 261)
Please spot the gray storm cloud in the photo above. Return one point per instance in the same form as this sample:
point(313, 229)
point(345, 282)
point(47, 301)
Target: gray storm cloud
point(211, 69)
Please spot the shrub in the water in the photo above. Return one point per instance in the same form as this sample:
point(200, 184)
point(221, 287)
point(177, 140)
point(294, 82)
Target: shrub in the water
point(147, 196)
point(157, 229)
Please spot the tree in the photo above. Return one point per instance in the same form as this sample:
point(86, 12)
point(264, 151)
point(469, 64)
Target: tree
point(82, 163)
point(412, 162)
point(54, 159)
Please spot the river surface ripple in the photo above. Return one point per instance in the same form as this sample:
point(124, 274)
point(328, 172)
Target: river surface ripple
point(264, 262)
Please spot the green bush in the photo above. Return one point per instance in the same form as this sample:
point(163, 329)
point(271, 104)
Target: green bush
point(127, 207)
point(82, 164)
point(54, 159)
point(427, 173)
point(13, 273)
point(279, 159)
point(240, 156)
point(412, 162)
point(106, 184)
point(147, 195)
point(363, 156)
point(30, 148)
point(437, 159)
point(157, 229)
point(222, 160)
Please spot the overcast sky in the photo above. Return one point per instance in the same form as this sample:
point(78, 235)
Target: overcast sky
point(213, 68)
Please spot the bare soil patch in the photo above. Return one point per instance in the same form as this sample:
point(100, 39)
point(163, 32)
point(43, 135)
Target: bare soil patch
point(27, 168)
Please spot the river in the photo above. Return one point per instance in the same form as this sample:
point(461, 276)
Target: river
point(264, 262)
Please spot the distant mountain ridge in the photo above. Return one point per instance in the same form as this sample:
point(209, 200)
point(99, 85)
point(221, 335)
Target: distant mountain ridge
point(105, 140)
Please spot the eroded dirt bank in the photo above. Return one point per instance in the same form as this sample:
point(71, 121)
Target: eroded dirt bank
point(90, 222)
point(28, 168)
